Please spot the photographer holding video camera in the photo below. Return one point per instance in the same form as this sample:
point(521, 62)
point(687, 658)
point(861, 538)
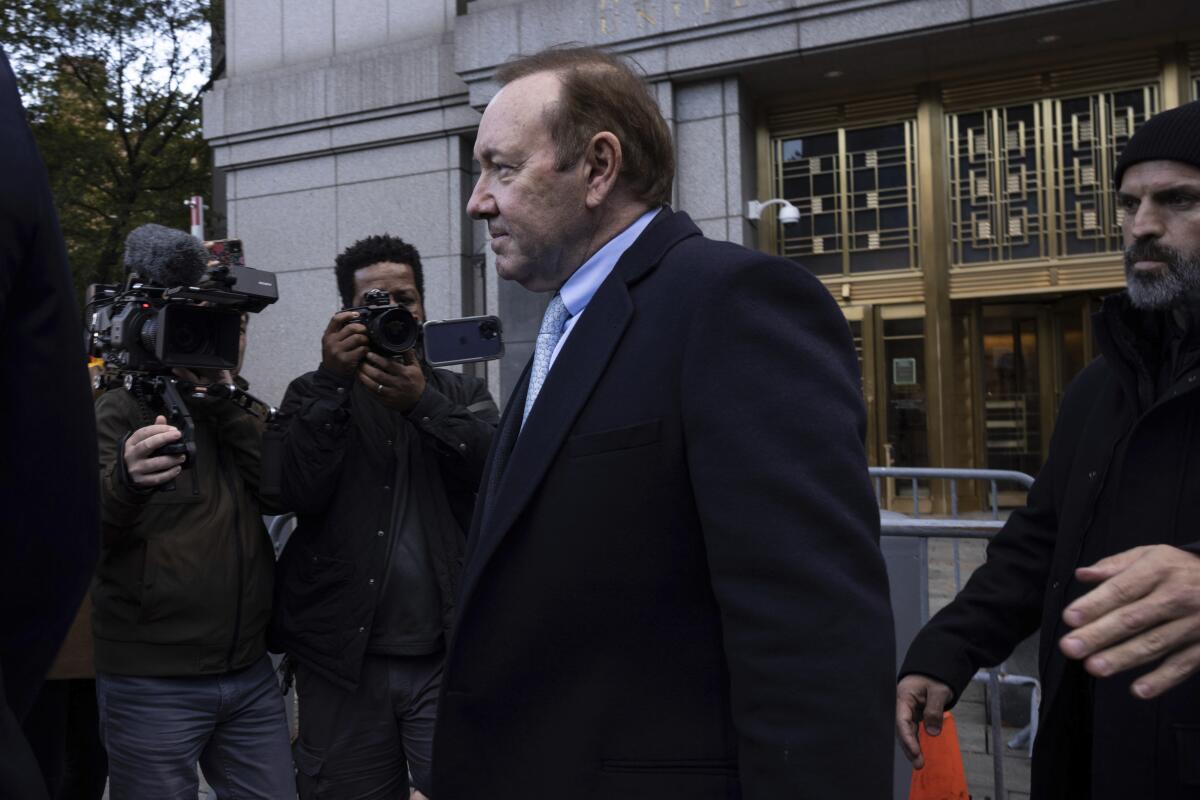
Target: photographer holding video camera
point(381, 459)
point(182, 596)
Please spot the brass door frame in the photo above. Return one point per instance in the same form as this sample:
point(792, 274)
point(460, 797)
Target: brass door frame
point(1049, 353)
point(880, 315)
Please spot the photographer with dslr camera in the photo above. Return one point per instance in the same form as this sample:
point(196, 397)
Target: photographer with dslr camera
point(182, 596)
point(381, 459)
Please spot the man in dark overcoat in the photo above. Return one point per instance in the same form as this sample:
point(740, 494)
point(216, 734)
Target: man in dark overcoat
point(673, 585)
point(50, 537)
point(1105, 556)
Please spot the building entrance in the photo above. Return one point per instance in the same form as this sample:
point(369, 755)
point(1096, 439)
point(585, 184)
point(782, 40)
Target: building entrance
point(891, 347)
point(1028, 353)
point(1017, 359)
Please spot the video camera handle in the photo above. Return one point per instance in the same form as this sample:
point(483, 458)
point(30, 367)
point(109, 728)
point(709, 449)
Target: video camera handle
point(163, 392)
point(244, 400)
point(166, 390)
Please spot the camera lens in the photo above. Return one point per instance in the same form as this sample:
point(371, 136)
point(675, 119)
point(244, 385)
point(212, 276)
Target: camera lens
point(394, 331)
point(187, 335)
point(149, 333)
point(189, 339)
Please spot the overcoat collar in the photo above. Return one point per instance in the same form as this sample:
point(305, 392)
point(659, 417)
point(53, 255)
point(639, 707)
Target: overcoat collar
point(520, 459)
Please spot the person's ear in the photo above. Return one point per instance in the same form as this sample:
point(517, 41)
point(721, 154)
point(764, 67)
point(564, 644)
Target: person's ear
point(602, 167)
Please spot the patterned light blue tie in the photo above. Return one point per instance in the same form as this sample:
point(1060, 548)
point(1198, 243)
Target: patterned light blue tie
point(547, 339)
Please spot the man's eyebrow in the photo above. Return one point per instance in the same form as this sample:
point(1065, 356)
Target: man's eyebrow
point(1159, 192)
point(1187, 187)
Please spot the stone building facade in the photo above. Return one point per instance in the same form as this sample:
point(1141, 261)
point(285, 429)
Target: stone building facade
point(951, 160)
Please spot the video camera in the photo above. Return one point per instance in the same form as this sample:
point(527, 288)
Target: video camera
point(181, 306)
point(144, 327)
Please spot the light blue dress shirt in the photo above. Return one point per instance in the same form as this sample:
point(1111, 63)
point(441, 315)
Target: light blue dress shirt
point(577, 292)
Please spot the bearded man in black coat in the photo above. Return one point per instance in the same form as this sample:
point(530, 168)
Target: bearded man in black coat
point(1106, 554)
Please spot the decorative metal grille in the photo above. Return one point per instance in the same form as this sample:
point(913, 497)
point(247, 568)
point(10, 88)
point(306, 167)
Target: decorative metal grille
point(1090, 134)
point(855, 189)
point(995, 166)
point(1034, 180)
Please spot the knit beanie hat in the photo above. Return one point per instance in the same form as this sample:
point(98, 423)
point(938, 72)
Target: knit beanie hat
point(1173, 135)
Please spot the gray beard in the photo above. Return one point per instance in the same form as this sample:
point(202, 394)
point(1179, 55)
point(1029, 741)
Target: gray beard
point(1154, 291)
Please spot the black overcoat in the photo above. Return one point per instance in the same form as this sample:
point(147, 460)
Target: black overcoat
point(673, 585)
point(1133, 478)
point(49, 483)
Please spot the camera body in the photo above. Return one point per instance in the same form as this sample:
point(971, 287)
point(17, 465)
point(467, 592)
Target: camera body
point(141, 327)
point(391, 329)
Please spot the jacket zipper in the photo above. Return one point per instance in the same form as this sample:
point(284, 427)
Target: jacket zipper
point(1181, 484)
point(237, 538)
point(391, 529)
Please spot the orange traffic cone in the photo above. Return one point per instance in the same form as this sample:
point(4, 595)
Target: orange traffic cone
point(943, 777)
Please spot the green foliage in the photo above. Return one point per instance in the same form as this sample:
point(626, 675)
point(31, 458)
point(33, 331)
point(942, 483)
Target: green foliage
point(113, 90)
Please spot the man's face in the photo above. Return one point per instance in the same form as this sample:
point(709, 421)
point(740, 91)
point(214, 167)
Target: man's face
point(395, 279)
point(1161, 201)
point(536, 214)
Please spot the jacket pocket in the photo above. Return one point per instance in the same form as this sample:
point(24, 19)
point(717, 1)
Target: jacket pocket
point(313, 594)
point(148, 594)
point(187, 491)
point(1187, 744)
point(643, 433)
point(673, 766)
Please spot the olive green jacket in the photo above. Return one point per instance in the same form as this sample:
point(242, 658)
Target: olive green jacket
point(184, 582)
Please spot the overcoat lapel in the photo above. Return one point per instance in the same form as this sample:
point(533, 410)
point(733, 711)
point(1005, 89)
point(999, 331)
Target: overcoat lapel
point(513, 480)
point(576, 371)
point(502, 445)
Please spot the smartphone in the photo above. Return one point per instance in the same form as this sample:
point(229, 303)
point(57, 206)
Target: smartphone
point(462, 341)
point(226, 252)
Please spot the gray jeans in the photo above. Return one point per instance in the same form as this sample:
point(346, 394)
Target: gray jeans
point(157, 729)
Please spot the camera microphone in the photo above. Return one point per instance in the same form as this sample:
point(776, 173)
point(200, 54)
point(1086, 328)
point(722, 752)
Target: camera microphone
point(165, 256)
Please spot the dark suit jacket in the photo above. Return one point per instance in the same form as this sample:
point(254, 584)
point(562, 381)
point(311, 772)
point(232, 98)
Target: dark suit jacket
point(673, 585)
point(49, 483)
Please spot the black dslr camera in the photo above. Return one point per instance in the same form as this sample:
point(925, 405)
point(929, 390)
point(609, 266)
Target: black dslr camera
point(391, 329)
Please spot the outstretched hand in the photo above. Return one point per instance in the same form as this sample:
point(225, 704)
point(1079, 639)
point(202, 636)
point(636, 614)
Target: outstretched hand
point(1146, 608)
point(919, 698)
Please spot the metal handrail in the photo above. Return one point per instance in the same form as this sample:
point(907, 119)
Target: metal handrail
point(941, 528)
point(914, 474)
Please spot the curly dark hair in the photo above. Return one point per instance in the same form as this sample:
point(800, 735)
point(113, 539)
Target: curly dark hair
point(375, 250)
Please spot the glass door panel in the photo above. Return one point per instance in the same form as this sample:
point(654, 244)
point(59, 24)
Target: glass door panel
point(1011, 388)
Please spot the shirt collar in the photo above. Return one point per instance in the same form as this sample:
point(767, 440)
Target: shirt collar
point(578, 290)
